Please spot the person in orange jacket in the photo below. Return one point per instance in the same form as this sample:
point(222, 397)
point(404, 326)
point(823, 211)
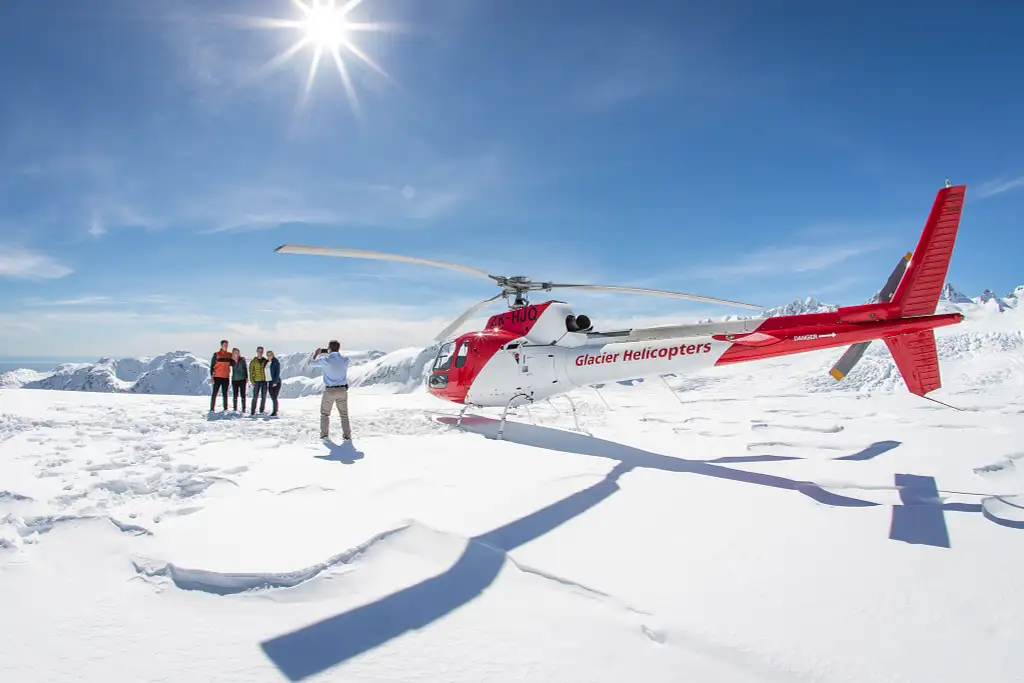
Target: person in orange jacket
point(220, 372)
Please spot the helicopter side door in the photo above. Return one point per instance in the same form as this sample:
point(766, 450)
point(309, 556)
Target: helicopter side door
point(535, 368)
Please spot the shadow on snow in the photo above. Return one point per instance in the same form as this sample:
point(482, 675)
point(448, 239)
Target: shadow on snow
point(344, 452)
point(322, 645)
point(327, 643)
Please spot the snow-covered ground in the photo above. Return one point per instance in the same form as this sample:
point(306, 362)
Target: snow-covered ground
point(760, 523)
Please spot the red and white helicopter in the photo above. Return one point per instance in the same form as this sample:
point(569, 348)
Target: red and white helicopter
point(533, 352)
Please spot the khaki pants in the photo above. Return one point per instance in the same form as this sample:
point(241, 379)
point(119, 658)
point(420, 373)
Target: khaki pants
point(334, 396)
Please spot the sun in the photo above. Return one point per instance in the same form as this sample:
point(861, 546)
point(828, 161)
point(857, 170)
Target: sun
point(325, 27)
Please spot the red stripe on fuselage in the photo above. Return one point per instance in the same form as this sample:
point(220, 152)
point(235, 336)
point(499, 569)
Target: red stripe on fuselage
point(802, 333)
point(499, 329)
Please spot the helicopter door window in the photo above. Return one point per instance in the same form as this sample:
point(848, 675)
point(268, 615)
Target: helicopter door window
point(460, 357)
point(444, 357)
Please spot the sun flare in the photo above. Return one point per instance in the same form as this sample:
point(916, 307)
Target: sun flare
point(326, 28)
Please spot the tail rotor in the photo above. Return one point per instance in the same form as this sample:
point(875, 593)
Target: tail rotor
point(854, 353)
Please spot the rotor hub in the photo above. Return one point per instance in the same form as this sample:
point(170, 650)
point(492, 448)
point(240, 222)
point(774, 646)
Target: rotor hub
point(517, 286)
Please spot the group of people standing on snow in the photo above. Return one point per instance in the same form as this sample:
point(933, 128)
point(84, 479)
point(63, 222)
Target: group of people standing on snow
point(264, 373)
point(230, 367)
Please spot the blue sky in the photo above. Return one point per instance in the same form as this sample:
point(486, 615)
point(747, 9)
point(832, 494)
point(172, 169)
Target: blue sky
point(152, 161)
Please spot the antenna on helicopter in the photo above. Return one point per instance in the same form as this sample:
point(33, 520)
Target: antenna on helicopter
point(517, 286)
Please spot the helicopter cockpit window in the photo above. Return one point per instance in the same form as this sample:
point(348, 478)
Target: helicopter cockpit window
point(444, 357)
point(460, 357)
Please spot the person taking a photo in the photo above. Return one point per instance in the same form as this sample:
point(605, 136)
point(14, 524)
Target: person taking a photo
point(335, 371)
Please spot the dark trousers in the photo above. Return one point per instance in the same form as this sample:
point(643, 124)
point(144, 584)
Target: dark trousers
point(239, 386)
point(259, 391)
point(220, 383)
point(275, 389)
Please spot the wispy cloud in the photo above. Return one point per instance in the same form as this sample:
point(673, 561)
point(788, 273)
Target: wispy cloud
point(782, 260)
point(403, 198)
point(999, 186)
point(94, 195)
point(630, 60)
point(111, 214)
point(25, 264)
point(618, 86)
point(210, 70)
point(96, 227)
point(81, 301)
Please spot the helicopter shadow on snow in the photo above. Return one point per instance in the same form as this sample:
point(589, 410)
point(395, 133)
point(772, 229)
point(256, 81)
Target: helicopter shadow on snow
point(919, 519)
point(585, 444)
point(320, 646)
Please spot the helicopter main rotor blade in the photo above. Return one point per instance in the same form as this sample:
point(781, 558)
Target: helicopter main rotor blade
point(658, 292)
point(454, 325)
point(379, 256)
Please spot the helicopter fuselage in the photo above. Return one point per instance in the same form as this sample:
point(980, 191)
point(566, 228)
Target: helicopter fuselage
point(531, 353)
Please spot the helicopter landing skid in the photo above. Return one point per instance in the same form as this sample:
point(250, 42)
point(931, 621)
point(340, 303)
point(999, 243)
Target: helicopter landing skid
point(504, 414)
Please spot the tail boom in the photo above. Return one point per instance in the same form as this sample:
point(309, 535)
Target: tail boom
point(790, 335)
point(904, 316)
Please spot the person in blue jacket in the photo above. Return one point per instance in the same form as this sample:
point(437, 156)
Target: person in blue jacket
point(274, 385)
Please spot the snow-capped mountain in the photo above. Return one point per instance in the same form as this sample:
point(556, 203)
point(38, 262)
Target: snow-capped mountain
point(19, 378)
point(100, 376)
point(180, 373)
point(990, 300)
point(399, 372)
point(798, 307)
point(297, 364)
point(402, 371)
point(953, 295)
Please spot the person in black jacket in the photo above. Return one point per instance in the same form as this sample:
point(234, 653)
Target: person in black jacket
point(239, 377)
point(274, 385)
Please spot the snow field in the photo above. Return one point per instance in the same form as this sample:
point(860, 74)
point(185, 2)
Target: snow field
point(738, 526)
point(721, 538)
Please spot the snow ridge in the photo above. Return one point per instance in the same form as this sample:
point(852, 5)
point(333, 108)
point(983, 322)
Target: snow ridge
point(227, 583)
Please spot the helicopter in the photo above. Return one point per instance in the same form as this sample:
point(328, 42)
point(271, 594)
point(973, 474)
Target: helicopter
point(535, 351)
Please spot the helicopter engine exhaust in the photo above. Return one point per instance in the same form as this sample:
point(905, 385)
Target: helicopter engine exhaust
point(578, 323)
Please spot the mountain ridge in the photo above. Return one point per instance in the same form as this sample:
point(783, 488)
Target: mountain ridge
point(183, 372)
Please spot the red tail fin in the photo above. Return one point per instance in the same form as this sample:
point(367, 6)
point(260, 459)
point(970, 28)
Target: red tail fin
point(919, 289)
point(918, 292)
point(918, 360)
